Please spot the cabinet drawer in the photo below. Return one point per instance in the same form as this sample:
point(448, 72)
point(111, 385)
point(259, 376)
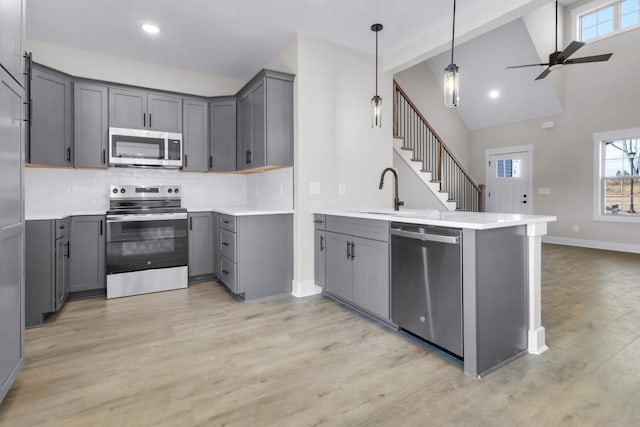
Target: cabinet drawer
point(359, 227)
point(228, 222)
point(228, 244)
point(319, 222)
point(228, 273)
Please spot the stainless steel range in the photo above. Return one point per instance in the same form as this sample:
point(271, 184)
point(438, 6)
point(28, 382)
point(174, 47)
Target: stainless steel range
point(147, 249)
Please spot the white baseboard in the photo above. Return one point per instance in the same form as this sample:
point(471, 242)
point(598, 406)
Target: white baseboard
point(593, 244)
point(304, 288)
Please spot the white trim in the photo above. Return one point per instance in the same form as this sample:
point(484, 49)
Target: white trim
point(598, 137)
point(536, 335)
point(510, 150)
point(593, 244)
point(304, 288)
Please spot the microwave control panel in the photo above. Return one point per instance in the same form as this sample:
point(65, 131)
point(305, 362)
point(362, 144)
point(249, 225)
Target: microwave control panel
point(174, 150)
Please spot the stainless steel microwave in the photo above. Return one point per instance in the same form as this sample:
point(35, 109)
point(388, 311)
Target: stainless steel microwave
point(144, 148)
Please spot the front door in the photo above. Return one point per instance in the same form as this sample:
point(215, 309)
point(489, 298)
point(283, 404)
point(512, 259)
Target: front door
point(509, 182)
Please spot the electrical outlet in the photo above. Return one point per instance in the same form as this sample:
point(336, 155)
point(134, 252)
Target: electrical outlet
point(342, 189)
point(576, 228)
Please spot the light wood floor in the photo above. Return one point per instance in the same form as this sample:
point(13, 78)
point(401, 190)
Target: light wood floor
point(198, 357)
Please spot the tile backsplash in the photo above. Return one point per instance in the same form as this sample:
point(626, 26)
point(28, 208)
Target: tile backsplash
point(54, 192)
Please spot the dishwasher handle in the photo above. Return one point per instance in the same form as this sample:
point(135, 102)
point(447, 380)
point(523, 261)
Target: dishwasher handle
point(426, 237)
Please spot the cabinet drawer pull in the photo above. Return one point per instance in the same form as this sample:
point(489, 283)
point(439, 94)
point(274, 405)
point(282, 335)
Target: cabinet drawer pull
point(210, 162)
point(225, 244)
point(317, 221)
point(225, 272)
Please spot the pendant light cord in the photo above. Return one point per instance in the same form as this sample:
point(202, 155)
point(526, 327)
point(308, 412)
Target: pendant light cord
point(556, 26)
point(377, 62)
point(453, 32)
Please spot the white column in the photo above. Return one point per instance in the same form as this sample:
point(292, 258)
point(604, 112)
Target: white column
point(536, 330)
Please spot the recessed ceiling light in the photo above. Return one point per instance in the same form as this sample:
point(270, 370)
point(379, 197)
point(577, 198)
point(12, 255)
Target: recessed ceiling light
point(150, 28)
point(494, 94)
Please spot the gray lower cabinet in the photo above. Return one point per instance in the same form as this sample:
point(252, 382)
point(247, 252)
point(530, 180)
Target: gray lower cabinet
point(11, 32)
point(87, 241)
point(256, 254)
point(195, 135)
point(357, 264)
point(11, 216)
point(141, 109)
point(222, 134)
point(48, 273)
point(90, 125)
point(201, 244)
point(265, 121)
point(51, 118)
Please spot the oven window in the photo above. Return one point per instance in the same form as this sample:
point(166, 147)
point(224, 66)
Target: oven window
point(143, 245)
point(137, 147)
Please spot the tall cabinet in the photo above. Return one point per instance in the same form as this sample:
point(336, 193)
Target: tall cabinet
point(11, 196)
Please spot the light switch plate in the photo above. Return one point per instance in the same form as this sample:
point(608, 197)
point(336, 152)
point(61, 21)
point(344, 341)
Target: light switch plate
point(314, 188)
point(544, 190)
point(342, 189)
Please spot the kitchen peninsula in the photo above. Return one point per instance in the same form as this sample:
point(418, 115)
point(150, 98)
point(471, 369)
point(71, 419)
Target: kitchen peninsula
point(498, 261)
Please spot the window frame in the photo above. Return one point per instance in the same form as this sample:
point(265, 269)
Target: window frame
point(598, 170)
point(578, 12)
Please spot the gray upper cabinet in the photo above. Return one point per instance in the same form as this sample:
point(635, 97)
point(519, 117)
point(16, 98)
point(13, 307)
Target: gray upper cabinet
point(222, 134)
point(11, 227)
point(140, 109)
point(11, 32)
point(127, 108)
point(165, 112)
point(265, 121)
point(201, 244)
point(195, 143)
point(91, 126)
point(51, 118)
point(87, 253)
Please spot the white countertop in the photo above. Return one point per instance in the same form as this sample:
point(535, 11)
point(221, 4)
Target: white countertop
point(227, 210)
point(58, 215)
point(455, 219)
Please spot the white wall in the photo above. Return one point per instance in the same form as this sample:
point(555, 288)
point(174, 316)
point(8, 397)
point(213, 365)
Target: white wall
point(597, 98)
point(271, 190)
point(93, 65)
point(412, 190)
point(335, 143)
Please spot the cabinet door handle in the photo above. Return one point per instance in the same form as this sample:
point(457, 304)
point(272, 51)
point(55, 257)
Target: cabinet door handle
point(225, 272)
point(144, 120)
point(348, 250)
point(101, 227)
point(317, 221)
point(321, 243)
point(249, 157)
point(191, 223)
point(68, 247)
point(210, 162)
point(69, 154)
point(353, 250)
point(104, 157)
point(185, 161)
point(149, 120)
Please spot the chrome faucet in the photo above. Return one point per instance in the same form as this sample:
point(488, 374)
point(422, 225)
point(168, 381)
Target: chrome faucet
point(396, 201)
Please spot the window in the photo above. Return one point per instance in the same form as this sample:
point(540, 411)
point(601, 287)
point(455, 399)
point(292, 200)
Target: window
point(602, 18)
point(617, 183)
point(509, 168)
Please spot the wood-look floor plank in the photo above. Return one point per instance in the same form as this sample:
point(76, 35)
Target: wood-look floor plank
point(199, 357)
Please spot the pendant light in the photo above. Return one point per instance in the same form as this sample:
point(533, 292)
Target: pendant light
point(451, 74)
point(376, 101)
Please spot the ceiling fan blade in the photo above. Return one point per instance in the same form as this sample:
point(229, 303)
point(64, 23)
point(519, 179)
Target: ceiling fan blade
point(529, 65)
point(570, 50)
point(544, 74)
point(586, 59)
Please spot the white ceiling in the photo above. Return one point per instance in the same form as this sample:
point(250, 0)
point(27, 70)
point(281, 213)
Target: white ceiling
point(482, 63)
point(231, 38)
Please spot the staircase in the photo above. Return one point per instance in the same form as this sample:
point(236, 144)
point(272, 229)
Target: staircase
point(430, 158)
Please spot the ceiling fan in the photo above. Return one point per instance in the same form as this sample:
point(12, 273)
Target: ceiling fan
point(562, 57)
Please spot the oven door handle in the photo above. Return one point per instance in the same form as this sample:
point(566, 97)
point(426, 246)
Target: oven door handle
point(146, 217)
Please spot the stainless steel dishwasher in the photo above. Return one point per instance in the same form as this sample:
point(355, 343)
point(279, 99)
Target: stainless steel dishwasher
point(426, 283)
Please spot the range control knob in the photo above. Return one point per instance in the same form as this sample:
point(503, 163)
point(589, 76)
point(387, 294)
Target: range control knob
point(122, 190)
point(170, 191)
point(115, 191)
point(177, 190)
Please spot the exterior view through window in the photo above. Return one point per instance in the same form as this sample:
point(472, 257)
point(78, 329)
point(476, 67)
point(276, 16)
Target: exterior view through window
point(620, 177)
point(609, 18)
